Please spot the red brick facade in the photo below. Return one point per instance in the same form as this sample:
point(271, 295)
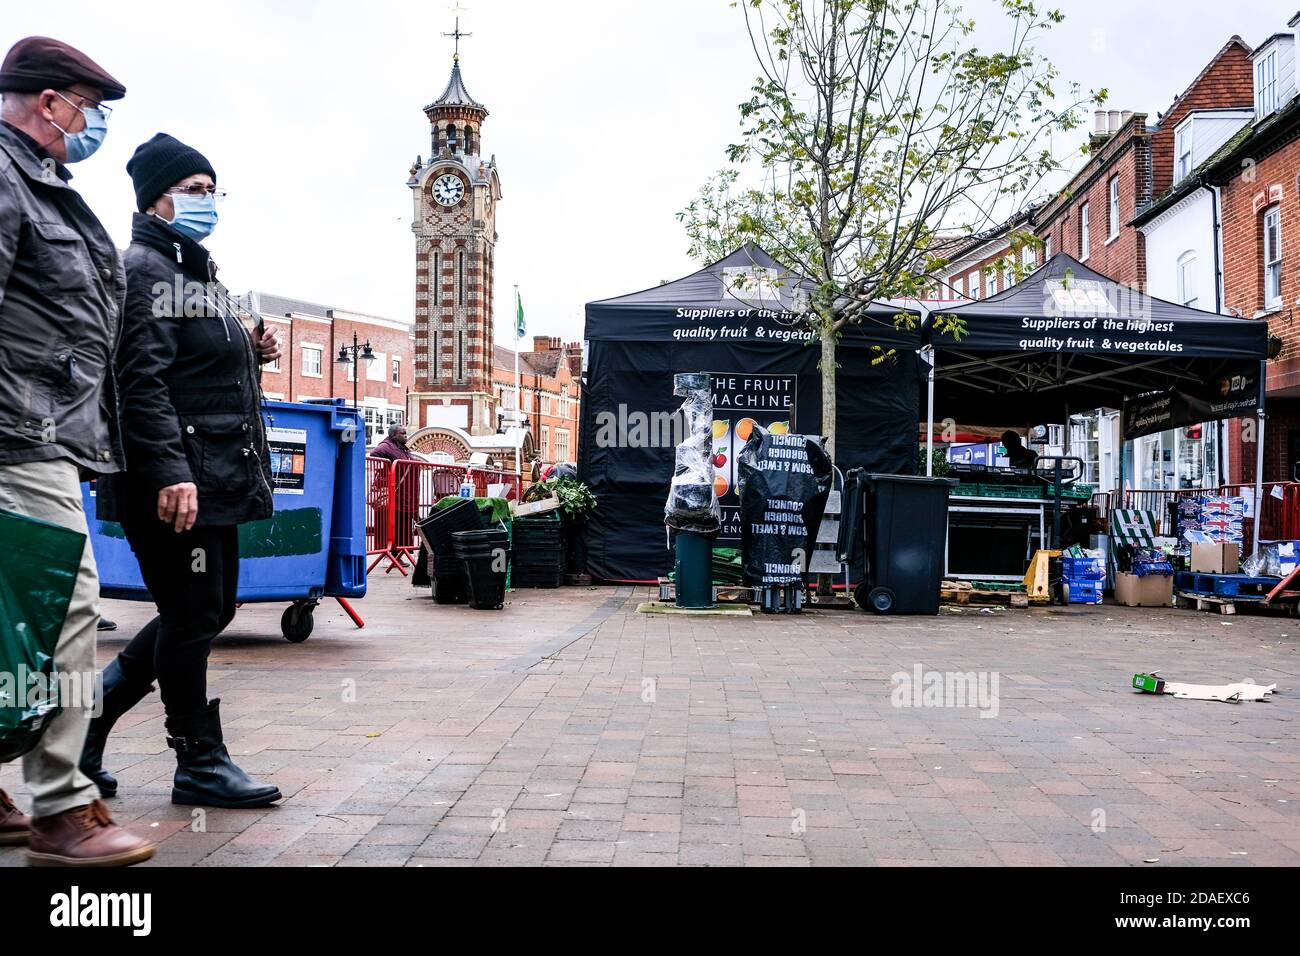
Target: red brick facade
point(550, 378)
point(1267, 182)
point(310, 338)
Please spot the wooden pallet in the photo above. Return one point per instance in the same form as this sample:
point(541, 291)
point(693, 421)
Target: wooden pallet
point(1212, 602)
point(974, 597)
point(722, 593)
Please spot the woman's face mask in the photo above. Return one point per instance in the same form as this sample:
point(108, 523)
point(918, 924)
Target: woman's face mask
point(194, 216)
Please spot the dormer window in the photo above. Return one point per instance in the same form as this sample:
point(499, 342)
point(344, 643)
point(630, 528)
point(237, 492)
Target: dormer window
point(1266, 84)
point(1183, 150)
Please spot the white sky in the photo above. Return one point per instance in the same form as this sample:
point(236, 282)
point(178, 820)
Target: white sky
point(606, 117)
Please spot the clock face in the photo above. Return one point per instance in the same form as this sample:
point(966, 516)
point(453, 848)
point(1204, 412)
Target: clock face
point(448, 189)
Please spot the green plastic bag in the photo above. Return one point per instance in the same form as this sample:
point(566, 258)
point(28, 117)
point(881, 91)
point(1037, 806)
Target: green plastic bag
point(39, 562)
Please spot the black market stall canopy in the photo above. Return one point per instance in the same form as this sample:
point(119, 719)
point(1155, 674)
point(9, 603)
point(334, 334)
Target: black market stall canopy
point(741, 319)
point(1067, 339)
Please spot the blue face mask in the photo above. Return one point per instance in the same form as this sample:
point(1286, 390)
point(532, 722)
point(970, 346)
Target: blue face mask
point(195, 216)
point(84, 143)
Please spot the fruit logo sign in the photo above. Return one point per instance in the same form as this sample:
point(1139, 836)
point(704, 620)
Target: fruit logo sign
point(741, 402)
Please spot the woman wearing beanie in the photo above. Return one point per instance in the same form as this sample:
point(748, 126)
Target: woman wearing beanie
point(197, 466)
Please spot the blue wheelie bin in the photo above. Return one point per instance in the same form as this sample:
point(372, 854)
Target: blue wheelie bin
point(313, 547)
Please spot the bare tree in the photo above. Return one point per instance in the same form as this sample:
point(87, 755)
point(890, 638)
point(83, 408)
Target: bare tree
point(873, 126)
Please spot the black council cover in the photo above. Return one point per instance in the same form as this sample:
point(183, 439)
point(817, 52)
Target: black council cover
point(784, 480)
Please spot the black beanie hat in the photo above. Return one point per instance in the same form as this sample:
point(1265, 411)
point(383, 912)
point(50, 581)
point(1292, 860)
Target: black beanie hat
point(160, 164)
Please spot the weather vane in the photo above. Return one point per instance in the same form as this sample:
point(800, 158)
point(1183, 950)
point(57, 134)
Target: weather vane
point(458, 10)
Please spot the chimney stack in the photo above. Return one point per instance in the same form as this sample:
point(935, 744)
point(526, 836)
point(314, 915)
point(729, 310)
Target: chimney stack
point(541, 343)
point(1099, 123)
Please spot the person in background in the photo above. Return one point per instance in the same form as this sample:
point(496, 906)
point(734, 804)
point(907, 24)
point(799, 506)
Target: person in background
point(394, 446)
point(61, 298)
point(1017, 454)
point(197, 467)
point(406, 487)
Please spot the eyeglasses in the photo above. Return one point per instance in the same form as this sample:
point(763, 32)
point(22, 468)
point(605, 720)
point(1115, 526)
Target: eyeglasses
point(197, 190)
point(87, 104)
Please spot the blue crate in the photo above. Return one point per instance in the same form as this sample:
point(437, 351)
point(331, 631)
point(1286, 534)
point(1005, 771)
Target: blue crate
point(1085, 592)
point(1083, 569)
point(1241, 587)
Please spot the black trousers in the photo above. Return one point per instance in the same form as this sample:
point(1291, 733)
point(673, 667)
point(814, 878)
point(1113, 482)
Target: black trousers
point(193, 577)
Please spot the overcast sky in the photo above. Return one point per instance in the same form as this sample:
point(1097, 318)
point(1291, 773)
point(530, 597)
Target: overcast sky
point(606, 117)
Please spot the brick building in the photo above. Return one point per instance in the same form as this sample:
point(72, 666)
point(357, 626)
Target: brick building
point(1259, 181)
point(310, 338)
point(549, 383)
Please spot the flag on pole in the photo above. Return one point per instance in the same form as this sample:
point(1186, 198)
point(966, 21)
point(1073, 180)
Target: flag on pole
point(519, 316)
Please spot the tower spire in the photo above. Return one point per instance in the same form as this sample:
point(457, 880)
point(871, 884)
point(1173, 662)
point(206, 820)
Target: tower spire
point(457, 34)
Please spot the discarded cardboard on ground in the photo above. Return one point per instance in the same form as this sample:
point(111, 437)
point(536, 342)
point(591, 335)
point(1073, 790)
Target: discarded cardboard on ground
point(535, 507)
point(1152, 683)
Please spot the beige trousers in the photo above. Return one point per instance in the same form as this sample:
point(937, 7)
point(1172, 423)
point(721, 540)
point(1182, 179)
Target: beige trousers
point(49, 490)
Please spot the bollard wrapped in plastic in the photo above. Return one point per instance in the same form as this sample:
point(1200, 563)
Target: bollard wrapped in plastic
point(783, 484)
point(692, 502)
point(38, 571)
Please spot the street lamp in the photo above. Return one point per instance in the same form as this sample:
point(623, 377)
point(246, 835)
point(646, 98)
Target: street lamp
point(353, 355)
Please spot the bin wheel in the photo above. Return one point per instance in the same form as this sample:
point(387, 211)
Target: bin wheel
point(296, 622)
point(878, 600)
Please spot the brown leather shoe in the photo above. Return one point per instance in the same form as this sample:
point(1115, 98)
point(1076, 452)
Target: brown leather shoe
point(84, 836)
point(15, 826)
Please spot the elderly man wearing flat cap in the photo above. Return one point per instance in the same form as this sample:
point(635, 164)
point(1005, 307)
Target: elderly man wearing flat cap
point(62, 289)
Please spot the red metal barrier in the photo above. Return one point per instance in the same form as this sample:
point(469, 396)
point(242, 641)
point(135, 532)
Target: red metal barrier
point(379, 511)
point(401, 492)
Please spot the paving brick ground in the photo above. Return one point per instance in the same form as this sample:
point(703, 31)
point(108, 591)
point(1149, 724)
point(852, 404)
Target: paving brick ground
point(568, 729)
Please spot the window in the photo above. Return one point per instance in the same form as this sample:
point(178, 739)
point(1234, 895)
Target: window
point(1187, 279)
point(1183, 150)
point(310, 360)
point(1114, 207)
point(1028, 258)
point(271, 366)
point(990, 283)
point(376, 370)
point(397, 371)
point(1266, 84)
point(374, 424)
point(460, 355)
point(958, 286)
point(460, 277)
point(1273, 257)
point(436, 371)
point(974, 282)
point(1047, 248)
point(1085, 243)
point(1085, 443)
point(561, 444)
point(546, 443)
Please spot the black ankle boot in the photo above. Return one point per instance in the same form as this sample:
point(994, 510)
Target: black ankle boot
point(120, 695)
point(205, 774)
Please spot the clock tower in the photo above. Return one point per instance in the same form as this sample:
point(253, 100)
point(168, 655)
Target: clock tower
point(455, 196)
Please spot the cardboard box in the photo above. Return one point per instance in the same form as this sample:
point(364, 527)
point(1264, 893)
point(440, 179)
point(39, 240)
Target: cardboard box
point(1215, 558)
point(1152, 590)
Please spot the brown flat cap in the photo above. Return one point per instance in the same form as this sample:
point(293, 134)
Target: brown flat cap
point(39, 63)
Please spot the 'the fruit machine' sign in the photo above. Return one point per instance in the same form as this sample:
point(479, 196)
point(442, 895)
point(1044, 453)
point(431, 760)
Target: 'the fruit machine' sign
point(741, 402)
